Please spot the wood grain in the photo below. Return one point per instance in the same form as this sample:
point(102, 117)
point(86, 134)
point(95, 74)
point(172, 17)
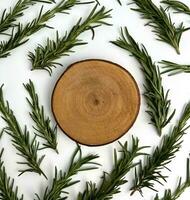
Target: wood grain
point(95, 102)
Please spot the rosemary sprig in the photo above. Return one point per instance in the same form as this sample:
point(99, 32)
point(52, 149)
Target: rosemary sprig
point(7, 191)
point(45, 56)
point(178, 6)
point(23, 32)
point(168, 195)
point(63, 180)
point(151, 172)
point(157, 100)
point(111, 182)
point(174, 68)
point(8, 18)
point(21, 139)
point(161, 22)
point(42, 122)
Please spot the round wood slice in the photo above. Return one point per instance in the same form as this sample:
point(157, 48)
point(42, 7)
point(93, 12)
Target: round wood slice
point(95, 102)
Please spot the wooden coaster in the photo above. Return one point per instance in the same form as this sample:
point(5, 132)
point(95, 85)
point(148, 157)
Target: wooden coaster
point(95, 102)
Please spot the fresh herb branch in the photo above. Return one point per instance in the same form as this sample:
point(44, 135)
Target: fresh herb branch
point(111, 182)
point(161, 22)
point(63, 180)
point(22, 33)
point(45, 56)
point(42, 122)
point(151, 172)
point(168, 195)
point(7, 191)
point(178, 6)
point(8, 18)
point(21, 139)
point(157, 100)
point(174, 68)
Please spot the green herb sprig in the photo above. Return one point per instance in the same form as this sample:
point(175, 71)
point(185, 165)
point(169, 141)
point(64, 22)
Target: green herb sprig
point(7, 191)
point(161, 22)
point(8, 18)
point(178, 6)
point(23, 32)
point(151, 172)
point(168, 195)
point(21, 139)
point(173, 68)
point(42, 122)
point(63, 180)
point(157, 100)
point(45, 56)
point(111, 182)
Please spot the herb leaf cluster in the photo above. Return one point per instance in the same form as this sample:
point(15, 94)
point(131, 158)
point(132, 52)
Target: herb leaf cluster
point(151, 172)
point(45, 56)
point(157, 100)
point(111, 182)
point(21, 139)
point(63, 180)
point(178, 6)
point(161, 22)
point(169, 195)
point(42, 122)
point(22, 33)
point(174, 68)
point(7, 190)
point(8, 18)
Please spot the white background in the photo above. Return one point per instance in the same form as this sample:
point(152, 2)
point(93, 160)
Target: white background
point(15, 70)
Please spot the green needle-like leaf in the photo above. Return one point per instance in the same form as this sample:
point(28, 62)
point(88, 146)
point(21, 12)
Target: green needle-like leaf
point(42, 122)
point(8, 17)
point(161, 22)
point(157, 100)
point(173, 68)
point(111, 182)
point(21, 139)
point(169, 195)
point(119, 1)
point(45, 56)
point(63, 180)
point(151, 172)
point(7, 189)
point(21, 33)
point(178, 6)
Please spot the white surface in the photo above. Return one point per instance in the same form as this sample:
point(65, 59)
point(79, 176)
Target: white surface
point(15, 70)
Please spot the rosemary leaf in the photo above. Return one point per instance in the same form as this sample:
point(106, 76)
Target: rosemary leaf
point(161, 22)
point(174, 68)
point(157, 100)
point(8, 18)
point(178, 6)
point(45, 56)
point(42, 122)
point(168, 195)
point(1, 132)
point(119, 1)
point(22, 33)
point(151, 172)
point(21, 139)
point(7, 191)
point(111, 182)
point(63, 180)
